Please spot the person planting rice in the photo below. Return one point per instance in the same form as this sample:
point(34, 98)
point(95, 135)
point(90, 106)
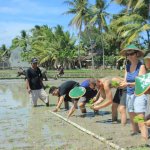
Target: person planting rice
point(90, 86)
point(104, 86)
point(65, 94)
point(62, 92)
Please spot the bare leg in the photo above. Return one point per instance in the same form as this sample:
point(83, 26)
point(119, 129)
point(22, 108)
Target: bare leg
point(114, 112)
point(133, 124)
point(142, 127)
point(122, 110)
point(82, 107)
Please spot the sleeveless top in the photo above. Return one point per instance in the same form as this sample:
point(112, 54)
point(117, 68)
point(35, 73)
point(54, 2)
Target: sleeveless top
point(131, 77)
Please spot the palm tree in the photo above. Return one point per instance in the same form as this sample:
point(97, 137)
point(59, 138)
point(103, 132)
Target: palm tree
point(98, 17)
point(79, 8)
point(133, 23)
point(52, 46)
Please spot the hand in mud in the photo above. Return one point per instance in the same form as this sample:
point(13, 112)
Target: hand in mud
point(95, 107)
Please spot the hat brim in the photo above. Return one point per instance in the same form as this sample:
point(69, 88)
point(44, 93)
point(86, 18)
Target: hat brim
point(124, 51)
point(146, 57)
point(34, 62)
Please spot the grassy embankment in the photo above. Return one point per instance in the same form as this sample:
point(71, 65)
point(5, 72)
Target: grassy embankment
point(82, 73)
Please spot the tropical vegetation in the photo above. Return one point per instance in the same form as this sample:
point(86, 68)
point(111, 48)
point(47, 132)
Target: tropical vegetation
point(99, 32)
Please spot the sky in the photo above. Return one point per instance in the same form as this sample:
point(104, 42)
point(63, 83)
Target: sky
point(18, 15)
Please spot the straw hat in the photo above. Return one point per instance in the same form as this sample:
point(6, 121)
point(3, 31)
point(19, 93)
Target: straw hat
point(132, 48)
point(147, 56)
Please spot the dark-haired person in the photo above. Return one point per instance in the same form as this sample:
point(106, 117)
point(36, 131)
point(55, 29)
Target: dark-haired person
point(35, 84)
point(91, 91)
point(62, 92)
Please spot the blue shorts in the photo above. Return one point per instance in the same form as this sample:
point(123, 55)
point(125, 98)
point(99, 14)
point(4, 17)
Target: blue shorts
point(137, 104)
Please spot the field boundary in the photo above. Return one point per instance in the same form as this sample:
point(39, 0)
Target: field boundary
point(102, 139)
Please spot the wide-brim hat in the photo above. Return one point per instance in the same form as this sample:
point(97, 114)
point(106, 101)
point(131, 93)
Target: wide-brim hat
point(132, 48)
point(147, 56)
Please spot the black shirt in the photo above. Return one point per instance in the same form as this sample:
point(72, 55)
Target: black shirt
point(90, 93)
point(34, 76)
point(65, 88)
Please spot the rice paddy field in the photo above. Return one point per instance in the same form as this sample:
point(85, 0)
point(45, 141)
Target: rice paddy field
point(23, 127)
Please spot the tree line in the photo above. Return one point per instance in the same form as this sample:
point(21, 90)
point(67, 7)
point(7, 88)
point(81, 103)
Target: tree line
point(99, 32)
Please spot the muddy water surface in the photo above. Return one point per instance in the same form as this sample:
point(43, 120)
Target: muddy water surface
point(23, 127)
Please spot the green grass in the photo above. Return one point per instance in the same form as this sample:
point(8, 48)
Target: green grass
point(81, 73)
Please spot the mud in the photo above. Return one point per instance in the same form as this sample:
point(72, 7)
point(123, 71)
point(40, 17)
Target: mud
point(25, 128)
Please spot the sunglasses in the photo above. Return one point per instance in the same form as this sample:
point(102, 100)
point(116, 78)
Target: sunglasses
point(130, 54)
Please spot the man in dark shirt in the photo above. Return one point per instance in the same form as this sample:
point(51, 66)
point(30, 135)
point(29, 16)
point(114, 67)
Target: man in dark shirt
point(62, 92)
point(35, 84)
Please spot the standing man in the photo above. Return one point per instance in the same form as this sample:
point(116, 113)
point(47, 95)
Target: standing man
point(35, 84)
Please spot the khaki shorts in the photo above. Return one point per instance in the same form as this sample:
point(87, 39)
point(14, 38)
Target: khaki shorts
point(38, 94)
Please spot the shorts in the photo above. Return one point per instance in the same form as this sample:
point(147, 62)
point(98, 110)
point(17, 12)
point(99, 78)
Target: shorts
point(84, 99)
point(38, 94)
point(120, 97)
point(137, 104)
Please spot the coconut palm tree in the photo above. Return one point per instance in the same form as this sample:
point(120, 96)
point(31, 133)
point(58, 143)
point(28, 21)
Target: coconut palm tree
point(133, 23)
point(79, 8)
point(99, 14)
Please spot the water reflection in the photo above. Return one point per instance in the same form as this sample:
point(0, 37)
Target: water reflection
point(14, 115)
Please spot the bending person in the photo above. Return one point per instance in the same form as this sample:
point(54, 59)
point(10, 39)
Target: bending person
point(62, 92)
point(90, 86)
point(104, 86)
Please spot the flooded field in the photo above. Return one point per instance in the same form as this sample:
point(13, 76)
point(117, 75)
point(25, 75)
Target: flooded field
point(25, 128)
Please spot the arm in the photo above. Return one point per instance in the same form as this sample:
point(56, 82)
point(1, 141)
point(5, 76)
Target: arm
point(108, 97)
point(97, 96)
point(124, 83)
point(41, 77)
point(60, 101)
point(28, 86)
point(27, 82)
point(141, 72)
point(73, 108)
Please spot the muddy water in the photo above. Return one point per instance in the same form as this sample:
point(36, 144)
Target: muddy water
point(25, 128)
